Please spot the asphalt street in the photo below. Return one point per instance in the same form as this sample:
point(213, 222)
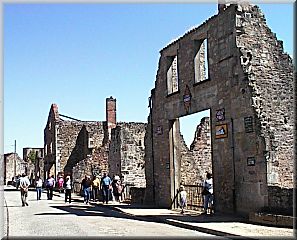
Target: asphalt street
point(49, 218)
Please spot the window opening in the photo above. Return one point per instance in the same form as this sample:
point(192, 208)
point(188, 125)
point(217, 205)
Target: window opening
point(172, 76)
point(201, 62)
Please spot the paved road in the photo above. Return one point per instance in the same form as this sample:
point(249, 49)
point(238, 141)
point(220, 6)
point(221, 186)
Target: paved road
point(57, 218)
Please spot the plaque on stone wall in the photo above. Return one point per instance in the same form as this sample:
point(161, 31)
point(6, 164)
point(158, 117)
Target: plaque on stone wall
point(167, 165)
point(251, 161)
point(220, 114)
point(248, 124)
point(221, 131)
point(159, 130)
point(187, 97)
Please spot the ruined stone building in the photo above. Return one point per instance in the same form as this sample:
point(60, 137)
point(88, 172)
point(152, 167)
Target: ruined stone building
point(82, 148)
point(34, 159)
point(234, 66)
point(13, 166)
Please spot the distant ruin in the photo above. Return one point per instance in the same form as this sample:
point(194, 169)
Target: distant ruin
point(79, 148)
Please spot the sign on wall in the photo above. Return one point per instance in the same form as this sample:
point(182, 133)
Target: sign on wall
point(251, 161)
point(220, 114)
point(221, 131)
point(187, 99)
point(248, 124)
point(159, 130)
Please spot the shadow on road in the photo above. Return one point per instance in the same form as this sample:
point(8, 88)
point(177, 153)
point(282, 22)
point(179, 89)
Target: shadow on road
point(174, 219)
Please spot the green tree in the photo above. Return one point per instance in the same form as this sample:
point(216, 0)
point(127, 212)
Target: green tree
point(32, 156)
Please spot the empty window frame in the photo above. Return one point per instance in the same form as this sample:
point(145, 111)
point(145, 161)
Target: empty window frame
point(201, 61)
point(172, 75)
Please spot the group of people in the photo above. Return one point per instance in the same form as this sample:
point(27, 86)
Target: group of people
point(112, 189)
point(64, 185)
point(207, 194)
point(49, 185)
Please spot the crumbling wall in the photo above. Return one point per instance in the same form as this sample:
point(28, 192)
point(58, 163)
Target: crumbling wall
point(197, 160)
point(269, 73)
point(251, 83)
point(76, 140)
point(93, 165)
point(127, 153)
point(13, 166)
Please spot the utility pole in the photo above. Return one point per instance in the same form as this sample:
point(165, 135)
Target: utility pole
point(14, 157)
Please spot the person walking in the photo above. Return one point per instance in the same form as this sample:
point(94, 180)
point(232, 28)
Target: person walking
point(38, 187)
point(95, 187)
point(68, 189)
point(86, 186)
point(208, 193)
point(24, 188)
point(50, 183)
point(105, 187)
point(183, 198)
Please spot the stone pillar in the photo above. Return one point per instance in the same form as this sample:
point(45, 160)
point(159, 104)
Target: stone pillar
point(111, 114)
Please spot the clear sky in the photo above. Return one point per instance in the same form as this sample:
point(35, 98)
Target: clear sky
point(77, 55)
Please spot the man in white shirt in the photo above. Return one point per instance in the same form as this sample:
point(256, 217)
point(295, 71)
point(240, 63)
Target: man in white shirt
point(24, 187)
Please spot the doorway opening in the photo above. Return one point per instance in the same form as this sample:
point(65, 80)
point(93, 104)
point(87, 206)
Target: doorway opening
point(195, 155)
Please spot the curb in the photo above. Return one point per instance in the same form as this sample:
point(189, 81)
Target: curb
point(181, 225)
point(154, 218)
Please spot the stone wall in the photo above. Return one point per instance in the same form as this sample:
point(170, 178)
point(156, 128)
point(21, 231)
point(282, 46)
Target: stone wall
point(126, 155)
point(269, 74)
point(77, 140)
point(93, 165)
point(13, 166)
point(251, 83)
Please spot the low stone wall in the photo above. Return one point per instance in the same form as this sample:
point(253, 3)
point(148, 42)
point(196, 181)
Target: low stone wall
point(137, 195)
point(271, 219)
point(280, 199)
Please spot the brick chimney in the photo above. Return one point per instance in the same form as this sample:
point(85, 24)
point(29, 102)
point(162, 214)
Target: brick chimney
point(111, 114)
point(55, 111)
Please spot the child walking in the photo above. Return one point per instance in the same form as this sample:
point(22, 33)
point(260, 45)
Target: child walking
point(183, 198)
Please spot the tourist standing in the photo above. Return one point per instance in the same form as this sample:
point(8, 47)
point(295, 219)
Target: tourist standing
point(105, 187)
point(117, 188)
point(183, 198)
point(208, 193)
point(24, 188)
point(50, 183)
point(95, 187)
point(86, 186)
point(68, 189)
point(38, 187)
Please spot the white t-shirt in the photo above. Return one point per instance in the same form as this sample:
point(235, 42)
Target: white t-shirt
point(24, 182)
point(39, 183)
point(68, 184)
point(183, 195)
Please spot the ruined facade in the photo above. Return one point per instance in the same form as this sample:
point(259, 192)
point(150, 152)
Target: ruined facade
point(79, 148)
point(248, 87)
point(67, 142)
point(13, 166)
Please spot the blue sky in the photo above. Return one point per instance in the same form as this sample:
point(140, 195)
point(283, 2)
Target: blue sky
point(77, 55)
